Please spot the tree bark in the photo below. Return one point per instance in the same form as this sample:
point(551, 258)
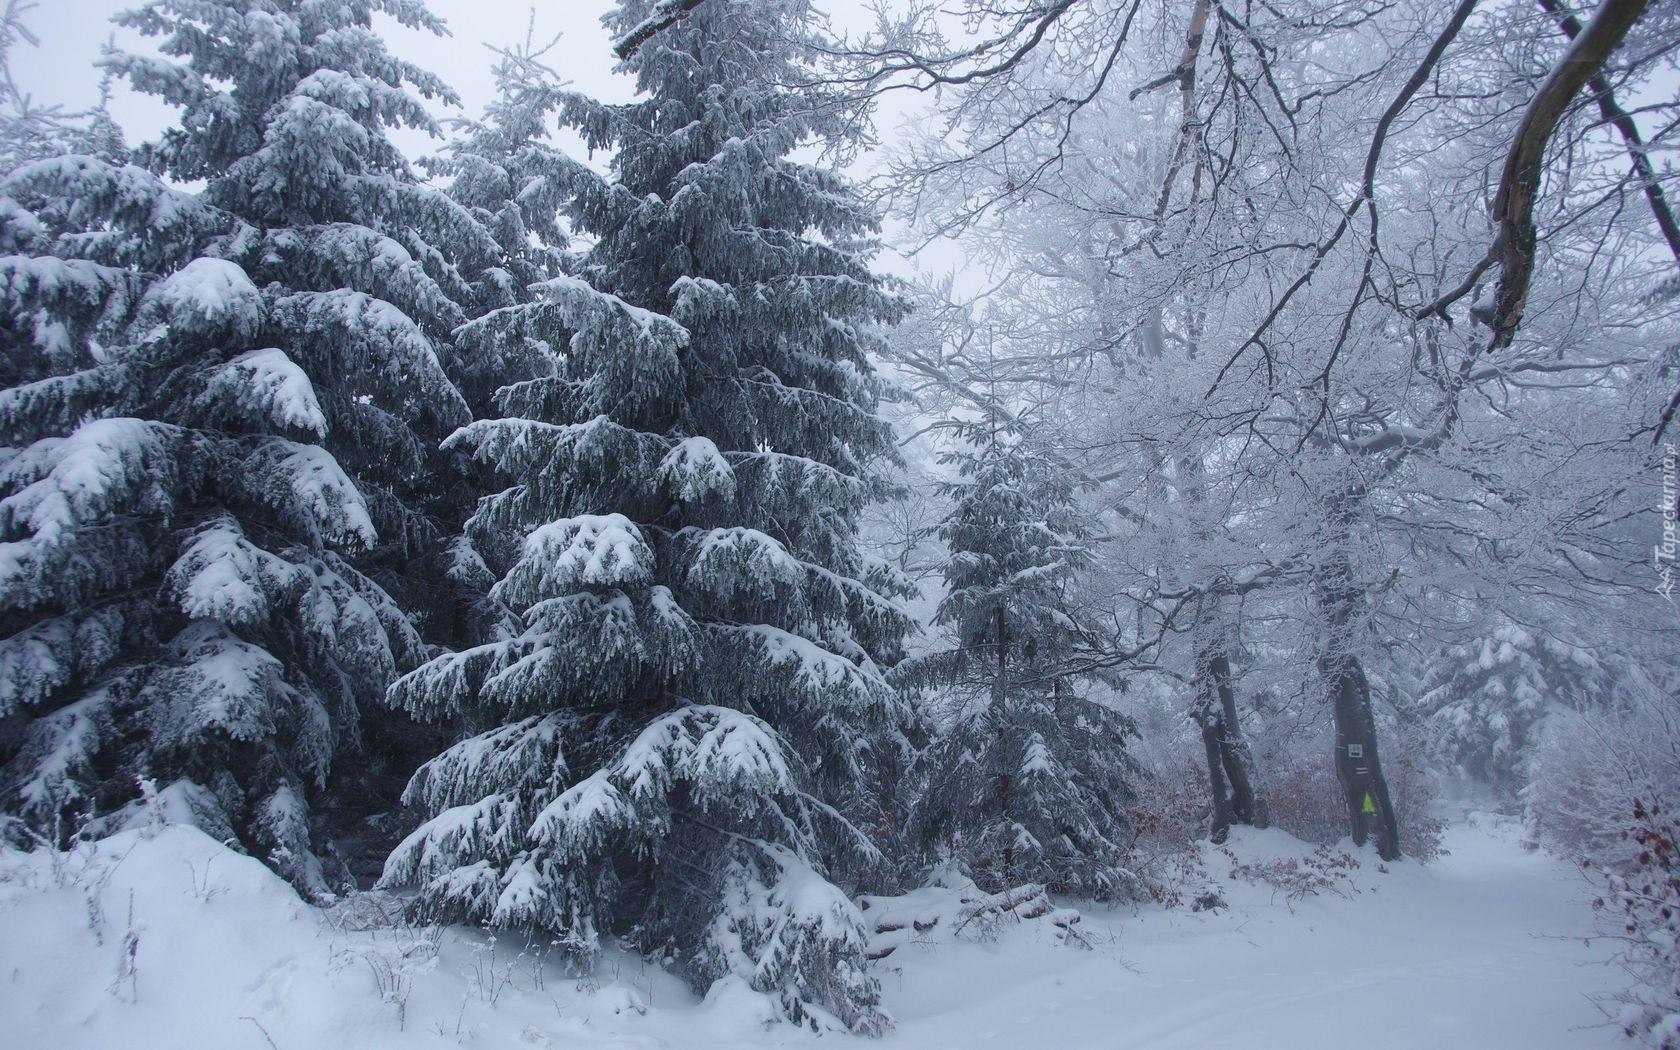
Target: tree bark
point(1235, 800)
point(1358, 765)
point(1519, 183)
point(1230, 780)
point(1207, 717)
point(1246, 804)
point(663, 18)
point(1638, 155)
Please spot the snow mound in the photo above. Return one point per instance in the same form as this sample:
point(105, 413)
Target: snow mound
point(210, 296)
point(161, 938)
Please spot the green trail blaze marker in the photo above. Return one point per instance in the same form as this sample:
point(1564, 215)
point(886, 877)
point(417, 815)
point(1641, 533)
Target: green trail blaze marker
point(1369, 805)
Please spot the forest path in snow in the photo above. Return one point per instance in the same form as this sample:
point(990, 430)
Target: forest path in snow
point(1481, 949)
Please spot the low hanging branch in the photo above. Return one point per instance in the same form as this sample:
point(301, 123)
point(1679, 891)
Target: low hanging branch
point(1638, 156)
point(664, 15)
point(1519, 183)
point(1640, 159)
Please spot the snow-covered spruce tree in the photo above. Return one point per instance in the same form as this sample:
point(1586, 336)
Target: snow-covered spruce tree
point(218, 427)
point(1485, 700)
point(514, 181)
point(503, 170)
point(1029, 775)
point(679, 745)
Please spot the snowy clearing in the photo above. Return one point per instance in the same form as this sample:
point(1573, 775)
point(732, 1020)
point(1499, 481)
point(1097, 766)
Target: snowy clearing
point(173, 941)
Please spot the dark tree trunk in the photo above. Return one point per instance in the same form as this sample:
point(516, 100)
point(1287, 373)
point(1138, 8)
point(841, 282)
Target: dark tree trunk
point(1246, 804)
point(1230, 765)
point(1358, 766)
point(1229, 762)
point(1519, 184)
point(1223, 816)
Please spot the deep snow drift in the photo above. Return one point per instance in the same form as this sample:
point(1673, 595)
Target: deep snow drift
point(168, 940)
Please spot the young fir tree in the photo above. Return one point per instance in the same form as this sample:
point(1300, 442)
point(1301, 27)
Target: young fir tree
point(1028, 777)
point(678, 744)
point(1486, 700)
point(219, 407)
point(29, 131)
point(504, 170)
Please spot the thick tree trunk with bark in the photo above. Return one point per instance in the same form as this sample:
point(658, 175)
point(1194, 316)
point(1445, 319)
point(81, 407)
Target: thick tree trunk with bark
point(1519, 184)
point(1223, 812)
point(1246, 803)
point(1230, 781)
point(1230, 764)
point(1358, 765)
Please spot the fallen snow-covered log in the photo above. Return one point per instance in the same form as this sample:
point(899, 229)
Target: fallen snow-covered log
point(964, 910)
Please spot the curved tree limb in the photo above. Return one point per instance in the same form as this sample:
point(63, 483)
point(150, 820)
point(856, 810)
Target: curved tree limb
point(665, 14)
point(1613, 113)
point(1519, 183)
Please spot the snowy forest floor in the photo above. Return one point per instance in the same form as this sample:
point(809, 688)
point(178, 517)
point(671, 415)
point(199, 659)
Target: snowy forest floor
point(171, 941)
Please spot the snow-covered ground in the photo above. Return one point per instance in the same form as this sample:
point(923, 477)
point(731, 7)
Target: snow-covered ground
point(170, 941)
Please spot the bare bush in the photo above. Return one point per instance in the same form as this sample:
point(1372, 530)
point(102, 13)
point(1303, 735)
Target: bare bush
point(1587, 767)
point(1326, 870)
point(1168, 814)
point(1641, 909)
